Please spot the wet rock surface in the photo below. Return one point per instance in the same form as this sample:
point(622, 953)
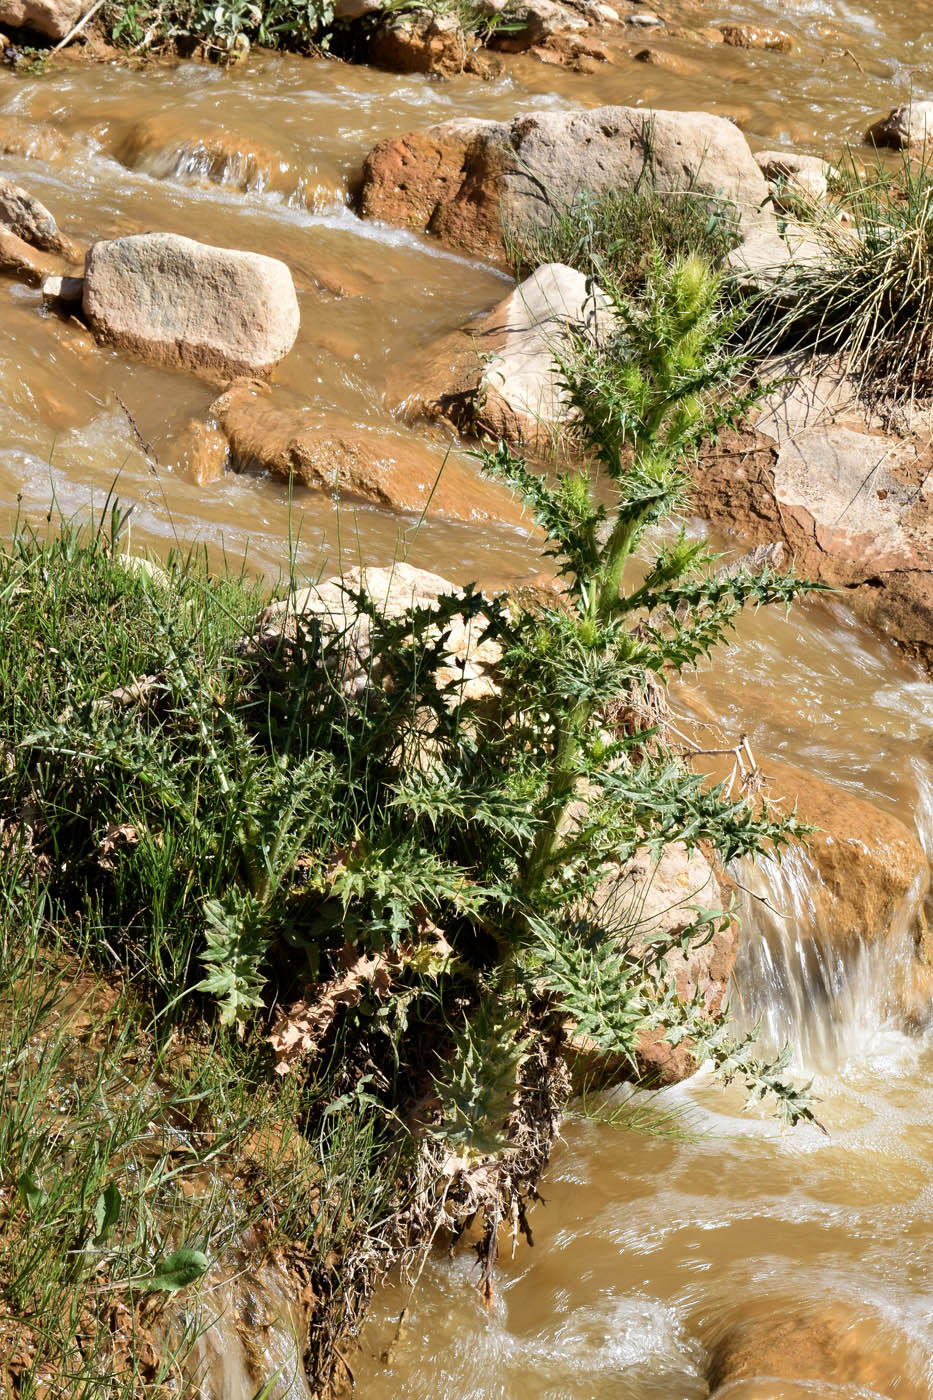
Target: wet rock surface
point(871, 867)
point(24, 215)
point(393, 471)
point(851, 502)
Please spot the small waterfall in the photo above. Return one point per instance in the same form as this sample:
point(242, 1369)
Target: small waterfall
point(247, 1336)
point(224, 161)
point(825, 994)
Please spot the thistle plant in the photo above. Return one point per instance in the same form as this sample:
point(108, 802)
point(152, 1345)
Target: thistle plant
point(643, 401)
point(403, 882)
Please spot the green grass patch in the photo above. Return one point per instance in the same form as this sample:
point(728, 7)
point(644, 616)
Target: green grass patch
point(618, 234)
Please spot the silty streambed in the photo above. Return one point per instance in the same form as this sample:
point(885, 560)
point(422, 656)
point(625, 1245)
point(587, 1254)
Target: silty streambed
point(648, 1248)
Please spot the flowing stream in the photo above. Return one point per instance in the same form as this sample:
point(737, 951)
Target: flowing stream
point(650, 1246)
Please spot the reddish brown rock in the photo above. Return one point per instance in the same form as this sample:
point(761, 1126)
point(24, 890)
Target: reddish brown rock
point(424, 42)
point(462, 181)
point(577, 52)
point(25, 262)
point(389, 469)
point(853, 506)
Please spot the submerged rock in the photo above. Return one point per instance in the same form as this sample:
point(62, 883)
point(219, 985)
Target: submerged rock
point(54, 18)
point(185, 305)
point(499, 375)
point(389, 469)
point(756, 36)
point(872, 871)
point(464, 181)
point(22, 214)
point(783, 1351)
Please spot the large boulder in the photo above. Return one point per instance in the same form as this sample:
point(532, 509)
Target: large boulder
point(54, 18)
point(390, 469)
point(499, 375)
point(852, 503)
point(182, 304)
point(463, 181)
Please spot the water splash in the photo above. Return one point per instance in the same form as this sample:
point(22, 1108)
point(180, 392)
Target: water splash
point(803, 984)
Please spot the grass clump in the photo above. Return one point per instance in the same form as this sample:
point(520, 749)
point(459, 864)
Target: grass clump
point(863, 291)
point(622, 231)
point(366, 888)
point(224, 30)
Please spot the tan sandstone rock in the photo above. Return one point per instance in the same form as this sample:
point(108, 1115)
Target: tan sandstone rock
point(794, 179)
point(182, 304)
point(498, 376)
point(23, 214)
point(469, 662)
point(54, 18)
point(852, 504)
point(462, 180)
point(533, 21)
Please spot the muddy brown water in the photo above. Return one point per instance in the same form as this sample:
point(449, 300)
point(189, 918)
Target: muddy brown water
point(649, 1248)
